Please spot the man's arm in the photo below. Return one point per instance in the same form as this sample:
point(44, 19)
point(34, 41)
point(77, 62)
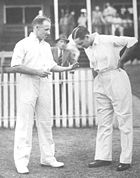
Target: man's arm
point(127, 55)
point(29, 71)
point(128, 46)
point(57, 68)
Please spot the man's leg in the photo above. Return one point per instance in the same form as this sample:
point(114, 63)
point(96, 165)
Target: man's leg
point(44, 126)
point(103, 150)
point(123, 109)
point(104, 133)
point(24, 123)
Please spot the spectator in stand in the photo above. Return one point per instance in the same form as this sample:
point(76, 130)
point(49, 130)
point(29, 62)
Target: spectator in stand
point(82, 20)
point(64, 22)
point(61, 22)
point(128, 24)
point(109, 13)
point(97, 20)
point(117, 28)
point(71, 22)
point(123, 12)
point(61, 55)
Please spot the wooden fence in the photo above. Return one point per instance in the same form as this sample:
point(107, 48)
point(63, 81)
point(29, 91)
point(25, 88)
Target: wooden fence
point(72, 99)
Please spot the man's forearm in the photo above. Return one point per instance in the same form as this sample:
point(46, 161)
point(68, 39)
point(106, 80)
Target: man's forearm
point(128, 53)
point(24, 70)
point(60, 68)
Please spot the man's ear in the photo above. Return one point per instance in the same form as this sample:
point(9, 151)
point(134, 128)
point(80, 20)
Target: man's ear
point(87, 36)
point(36, 27)
point(76, 40)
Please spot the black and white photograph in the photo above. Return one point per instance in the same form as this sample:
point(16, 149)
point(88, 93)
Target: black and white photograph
point(69, 88)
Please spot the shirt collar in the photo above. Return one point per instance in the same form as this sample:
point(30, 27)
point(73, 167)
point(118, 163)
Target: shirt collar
point(96, 38)
point(33, 36)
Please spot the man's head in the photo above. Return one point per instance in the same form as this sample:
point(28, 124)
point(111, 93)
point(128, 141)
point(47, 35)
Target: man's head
point(62, 41)
point(97, 8)
point(41, 27)
point(107, 5)
point(81, 37)
point(83, 12)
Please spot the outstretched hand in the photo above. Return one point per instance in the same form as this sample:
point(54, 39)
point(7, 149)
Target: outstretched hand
point(43, 73)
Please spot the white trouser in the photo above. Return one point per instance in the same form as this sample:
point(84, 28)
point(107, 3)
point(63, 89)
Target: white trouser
point(113, 96)
point(34, 98)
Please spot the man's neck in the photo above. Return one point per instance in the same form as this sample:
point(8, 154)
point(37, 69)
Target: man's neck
point(39, 39)
point(92, 37)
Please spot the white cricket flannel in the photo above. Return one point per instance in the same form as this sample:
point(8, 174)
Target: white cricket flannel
point(105, 51)
point(32, 53)
point(34, 97)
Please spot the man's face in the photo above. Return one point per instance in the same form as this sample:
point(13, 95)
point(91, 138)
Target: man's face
point(83, 43)
point(61, 44)
point(43, 30)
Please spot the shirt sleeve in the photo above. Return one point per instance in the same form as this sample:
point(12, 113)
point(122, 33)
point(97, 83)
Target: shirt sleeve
point(18, 55)
point(125, 41)
point(52, 62)
point(90, 58)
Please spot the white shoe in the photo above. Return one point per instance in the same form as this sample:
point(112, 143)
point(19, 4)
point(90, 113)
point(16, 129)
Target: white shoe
point(53, 163)
point(22, 170)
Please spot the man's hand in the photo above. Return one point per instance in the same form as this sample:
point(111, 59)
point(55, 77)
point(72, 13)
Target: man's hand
point(74, 66)
point(43, 73)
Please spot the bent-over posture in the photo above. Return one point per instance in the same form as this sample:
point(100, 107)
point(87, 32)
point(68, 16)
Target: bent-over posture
point(112, 93)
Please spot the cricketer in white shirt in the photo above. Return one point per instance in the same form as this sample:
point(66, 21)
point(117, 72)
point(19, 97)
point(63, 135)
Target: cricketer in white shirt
point(32, 58)
point(111, 88)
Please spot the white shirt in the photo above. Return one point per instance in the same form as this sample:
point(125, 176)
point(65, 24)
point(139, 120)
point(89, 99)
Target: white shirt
point(82, 20)
point(32, 53)
point(73, 48)
point(105, 51)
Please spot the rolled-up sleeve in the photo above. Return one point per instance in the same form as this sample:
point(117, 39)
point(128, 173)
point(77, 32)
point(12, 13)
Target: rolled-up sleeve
point(125, 41)
point(50, 59)
point(52, 64)
point(18, 55)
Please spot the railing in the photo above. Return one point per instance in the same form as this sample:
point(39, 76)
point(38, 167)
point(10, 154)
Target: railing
point(72, 98)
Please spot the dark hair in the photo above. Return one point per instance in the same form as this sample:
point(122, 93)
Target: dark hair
point(79, 32)
point(38, 20)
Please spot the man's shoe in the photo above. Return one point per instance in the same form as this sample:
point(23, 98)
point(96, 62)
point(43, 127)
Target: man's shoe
point(53, 163)
point(99, 163)
point(22, 170)
point(122, 167)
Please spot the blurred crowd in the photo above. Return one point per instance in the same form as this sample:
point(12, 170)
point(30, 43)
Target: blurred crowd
point(107, 20)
